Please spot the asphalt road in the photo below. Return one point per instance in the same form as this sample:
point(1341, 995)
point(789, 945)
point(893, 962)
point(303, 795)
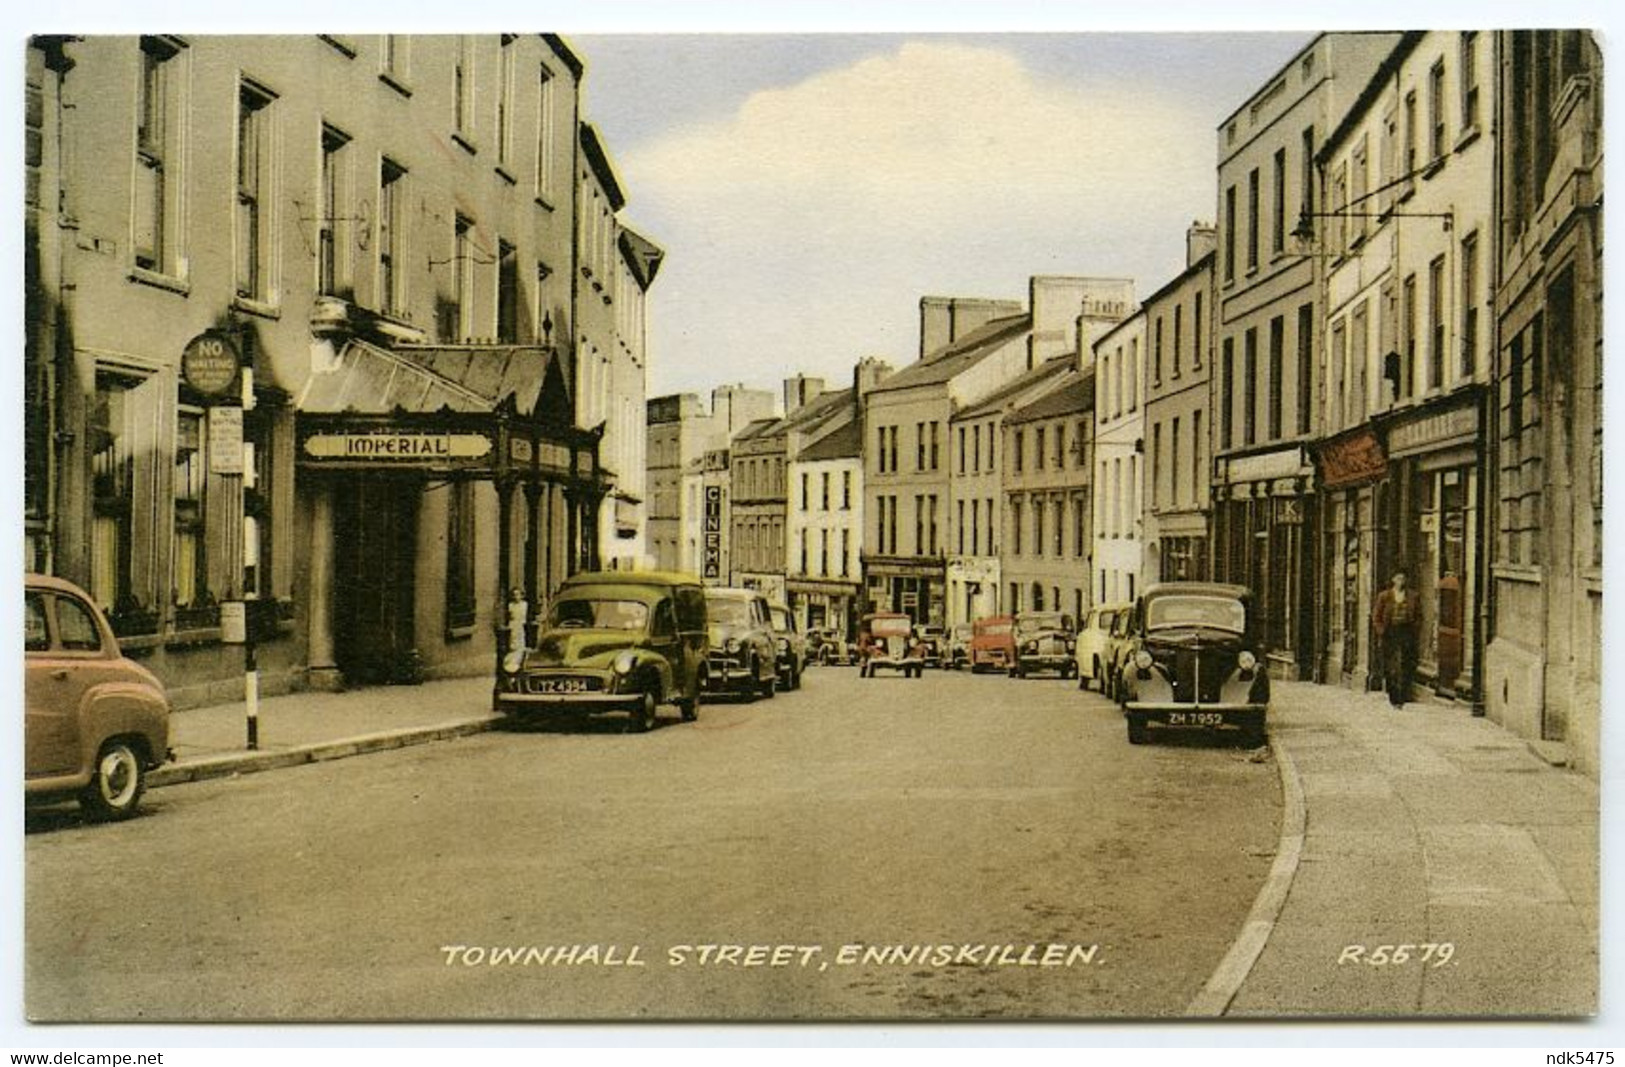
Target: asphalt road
point(951, 847)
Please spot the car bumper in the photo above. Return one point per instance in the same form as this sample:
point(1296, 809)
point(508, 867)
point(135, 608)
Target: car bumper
point(726, 679)
point(1056, 662)
point(592, 703)
point(877, 662)
point(1201, 716)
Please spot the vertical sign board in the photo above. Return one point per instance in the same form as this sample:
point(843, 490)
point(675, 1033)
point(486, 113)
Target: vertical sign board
point(711, 564)
point(226, 440)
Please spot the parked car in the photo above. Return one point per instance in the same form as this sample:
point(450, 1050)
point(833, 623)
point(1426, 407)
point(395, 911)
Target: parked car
point(1116, 644)
point(993, 643)
point(958, 647)
point(1195, 662)
point(933, 644)
point(834, 649)
point(1092, 646)
point(95, 722)
point(886, 641)
point(1043, 643)
point(789, 645)
point(744, 657)
point(613, 642)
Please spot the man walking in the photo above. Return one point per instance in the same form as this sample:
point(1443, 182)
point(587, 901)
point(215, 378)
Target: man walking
point(1394, 620)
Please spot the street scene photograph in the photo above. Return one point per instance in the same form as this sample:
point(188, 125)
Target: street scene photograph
point(845, 528)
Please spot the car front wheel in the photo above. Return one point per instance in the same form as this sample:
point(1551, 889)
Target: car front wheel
point(116, 784)
point(643, 716)
point(1136, 730)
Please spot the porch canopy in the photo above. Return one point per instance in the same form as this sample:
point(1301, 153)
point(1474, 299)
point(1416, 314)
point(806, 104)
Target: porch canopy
point(499, 413)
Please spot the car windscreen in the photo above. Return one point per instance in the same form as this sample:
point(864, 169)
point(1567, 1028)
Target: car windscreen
point(598, 613)
point(728, 611)
point(1216, 612)
point(781, 619)
point(890, 627)
point(1038, 622)
point(993, 628)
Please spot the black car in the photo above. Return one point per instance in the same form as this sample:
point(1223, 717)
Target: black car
point(1193, 660)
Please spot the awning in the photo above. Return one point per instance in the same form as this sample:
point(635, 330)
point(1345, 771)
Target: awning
point(367, 379)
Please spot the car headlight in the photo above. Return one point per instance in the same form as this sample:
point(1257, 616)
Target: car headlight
point(731, 645)
point(624, 663)
point(784, 645)
point(1246, 661)
point(1142, 660)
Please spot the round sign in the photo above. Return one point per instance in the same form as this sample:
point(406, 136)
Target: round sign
point(209, 364)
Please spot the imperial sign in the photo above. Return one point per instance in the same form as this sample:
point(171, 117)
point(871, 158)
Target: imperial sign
point(407, 447)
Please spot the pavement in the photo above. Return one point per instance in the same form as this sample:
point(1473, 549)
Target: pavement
point(1430, 864)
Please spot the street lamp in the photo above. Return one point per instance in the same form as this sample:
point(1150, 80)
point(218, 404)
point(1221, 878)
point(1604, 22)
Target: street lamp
point(1303, 234)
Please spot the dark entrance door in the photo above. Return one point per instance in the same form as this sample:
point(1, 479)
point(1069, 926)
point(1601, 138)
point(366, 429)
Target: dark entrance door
point(375, 526)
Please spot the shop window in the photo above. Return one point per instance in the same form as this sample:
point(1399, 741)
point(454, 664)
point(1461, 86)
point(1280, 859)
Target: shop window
point(190, 575)
point(125, 422)
point(460, 556)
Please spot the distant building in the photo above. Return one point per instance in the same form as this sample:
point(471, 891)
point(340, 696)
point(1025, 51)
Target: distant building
point(1119, 450)
point(1179, 318)
point(1048, 453)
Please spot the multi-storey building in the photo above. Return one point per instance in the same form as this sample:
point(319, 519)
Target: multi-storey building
point(680, 432)
point(978, 549)
point(905, 449)
point(1263, 387)
point(1405, 238)
point(1543, 608)
point(614, 271)
point(1179, 322)
point(678, 428)
point(1119, 450)
point(1048, 456)
point(362, 252)
point(825, 507)
point(756, 509)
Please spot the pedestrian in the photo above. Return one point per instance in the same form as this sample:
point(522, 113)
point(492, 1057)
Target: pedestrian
point(1394, 619)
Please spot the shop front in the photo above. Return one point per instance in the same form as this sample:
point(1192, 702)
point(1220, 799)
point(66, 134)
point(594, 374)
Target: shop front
point(431, 504)
point(1262, 506)
point(914, 587)
point(824, 605)
point(1435, 458)
point(1353, 469)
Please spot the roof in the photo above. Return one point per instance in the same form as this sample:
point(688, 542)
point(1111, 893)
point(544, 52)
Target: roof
point(598, 158)
point(1203, 262)
point(957, 356)
point(1361, 107)
point(371, 380)
point(642, 255)
point(759, 428)
point(819, 409)
point(845, 443)
point(1071, 395)
point(1198, 589)
point(1002, 398)
point(630, 578)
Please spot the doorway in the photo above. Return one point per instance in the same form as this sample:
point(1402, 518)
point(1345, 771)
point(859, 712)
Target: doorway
point(375, 523)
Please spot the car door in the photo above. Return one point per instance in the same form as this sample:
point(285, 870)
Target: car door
point(762, 634)
point(54, 686)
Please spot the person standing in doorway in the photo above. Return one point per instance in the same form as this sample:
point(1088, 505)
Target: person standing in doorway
point(1394, 619)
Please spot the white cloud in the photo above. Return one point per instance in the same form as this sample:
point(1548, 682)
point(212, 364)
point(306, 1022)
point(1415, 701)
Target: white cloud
point(803, 229)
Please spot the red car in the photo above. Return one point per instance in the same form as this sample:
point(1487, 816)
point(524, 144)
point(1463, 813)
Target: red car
point(993, 644)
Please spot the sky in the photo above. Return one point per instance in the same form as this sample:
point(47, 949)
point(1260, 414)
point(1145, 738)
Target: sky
point(809, 189)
